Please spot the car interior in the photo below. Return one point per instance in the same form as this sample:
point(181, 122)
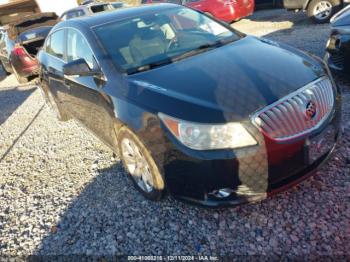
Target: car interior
point(148, 38)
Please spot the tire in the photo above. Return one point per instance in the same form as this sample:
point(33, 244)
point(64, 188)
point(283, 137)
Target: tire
point(52, 103)
point(150, 182)
point(329, 7)
point(20, 79)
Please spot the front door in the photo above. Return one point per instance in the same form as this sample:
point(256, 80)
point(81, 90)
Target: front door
point(88, 103)
point(52, 71)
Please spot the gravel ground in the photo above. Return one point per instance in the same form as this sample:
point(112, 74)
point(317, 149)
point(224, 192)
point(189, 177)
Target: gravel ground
point(62, 192)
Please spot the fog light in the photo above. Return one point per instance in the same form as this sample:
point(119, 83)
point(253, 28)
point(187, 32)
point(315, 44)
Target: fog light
point(221, 193)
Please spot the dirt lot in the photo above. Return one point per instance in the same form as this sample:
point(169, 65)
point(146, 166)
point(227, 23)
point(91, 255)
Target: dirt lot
point(62, 192)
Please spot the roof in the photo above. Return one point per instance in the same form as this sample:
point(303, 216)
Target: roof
point(120, 14)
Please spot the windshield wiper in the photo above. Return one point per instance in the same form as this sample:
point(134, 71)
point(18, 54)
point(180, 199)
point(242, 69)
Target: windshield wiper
point(149, 66)
point(198, 50)
point(166, 61)
point(204, 48)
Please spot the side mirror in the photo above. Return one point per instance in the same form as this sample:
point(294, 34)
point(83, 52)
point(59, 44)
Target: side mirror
point(79, 67)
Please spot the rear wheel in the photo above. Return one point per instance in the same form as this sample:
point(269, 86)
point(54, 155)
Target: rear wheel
point(140, 165)
point(321, 11)
point(20, 79)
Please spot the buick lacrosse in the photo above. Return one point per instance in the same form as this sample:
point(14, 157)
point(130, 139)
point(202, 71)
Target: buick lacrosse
point(193, 107)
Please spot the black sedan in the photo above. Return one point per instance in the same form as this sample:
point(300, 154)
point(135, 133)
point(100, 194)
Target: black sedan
point(338, 45)
point(193, 107)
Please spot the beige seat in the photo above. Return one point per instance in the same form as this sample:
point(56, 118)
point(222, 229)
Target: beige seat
point(147, 43)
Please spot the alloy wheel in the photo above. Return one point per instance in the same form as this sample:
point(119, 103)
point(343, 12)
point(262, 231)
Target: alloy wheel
point(322, 10)
point(137, 165)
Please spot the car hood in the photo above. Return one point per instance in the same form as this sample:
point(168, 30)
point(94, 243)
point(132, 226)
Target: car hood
point(227, 83)
point(342, 18)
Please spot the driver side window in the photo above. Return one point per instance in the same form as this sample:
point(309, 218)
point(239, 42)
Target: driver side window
point(78, 47)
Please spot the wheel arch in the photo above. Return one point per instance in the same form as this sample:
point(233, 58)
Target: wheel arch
point(308, 2)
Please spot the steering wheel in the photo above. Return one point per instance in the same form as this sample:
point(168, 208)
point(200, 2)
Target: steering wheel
point(172, 43)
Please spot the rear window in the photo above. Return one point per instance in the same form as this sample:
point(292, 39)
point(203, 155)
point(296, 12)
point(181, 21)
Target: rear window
point(100, 8)
point(36, 33)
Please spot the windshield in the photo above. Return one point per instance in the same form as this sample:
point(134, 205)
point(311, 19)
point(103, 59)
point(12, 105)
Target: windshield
point(154, 39)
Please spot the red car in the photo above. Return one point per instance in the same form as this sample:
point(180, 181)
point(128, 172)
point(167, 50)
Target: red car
point(225, 10)
point(28, 35)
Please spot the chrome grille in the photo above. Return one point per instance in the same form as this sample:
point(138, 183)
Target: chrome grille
point(287, 118)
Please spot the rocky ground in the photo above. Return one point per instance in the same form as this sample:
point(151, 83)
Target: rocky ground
point(63, 193)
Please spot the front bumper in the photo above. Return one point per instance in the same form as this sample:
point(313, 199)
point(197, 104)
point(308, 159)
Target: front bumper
point(251, 174)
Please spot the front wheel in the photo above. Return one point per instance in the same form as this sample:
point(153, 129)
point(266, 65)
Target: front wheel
point(140, 165)
point(321, 11)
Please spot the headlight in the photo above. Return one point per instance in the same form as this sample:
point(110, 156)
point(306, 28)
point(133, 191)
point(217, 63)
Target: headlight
point(206, 136)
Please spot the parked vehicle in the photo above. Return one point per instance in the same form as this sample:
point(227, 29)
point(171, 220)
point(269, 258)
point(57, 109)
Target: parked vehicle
point(86, 2)
point(117, 5)
point(27, 37)
point(6, 46)
point(261, 4)
point(224, 10)
point(2, 33)
point(86, 9)
point(320, 11)
point(338, 45)
point(193, 107)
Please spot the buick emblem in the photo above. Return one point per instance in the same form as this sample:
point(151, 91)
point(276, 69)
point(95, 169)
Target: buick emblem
point(311, 110)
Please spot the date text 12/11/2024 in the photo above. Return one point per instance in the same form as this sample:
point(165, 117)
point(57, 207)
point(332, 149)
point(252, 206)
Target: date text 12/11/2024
point(173, 258)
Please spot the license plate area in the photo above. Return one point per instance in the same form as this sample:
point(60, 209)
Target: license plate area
point(320, 145)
